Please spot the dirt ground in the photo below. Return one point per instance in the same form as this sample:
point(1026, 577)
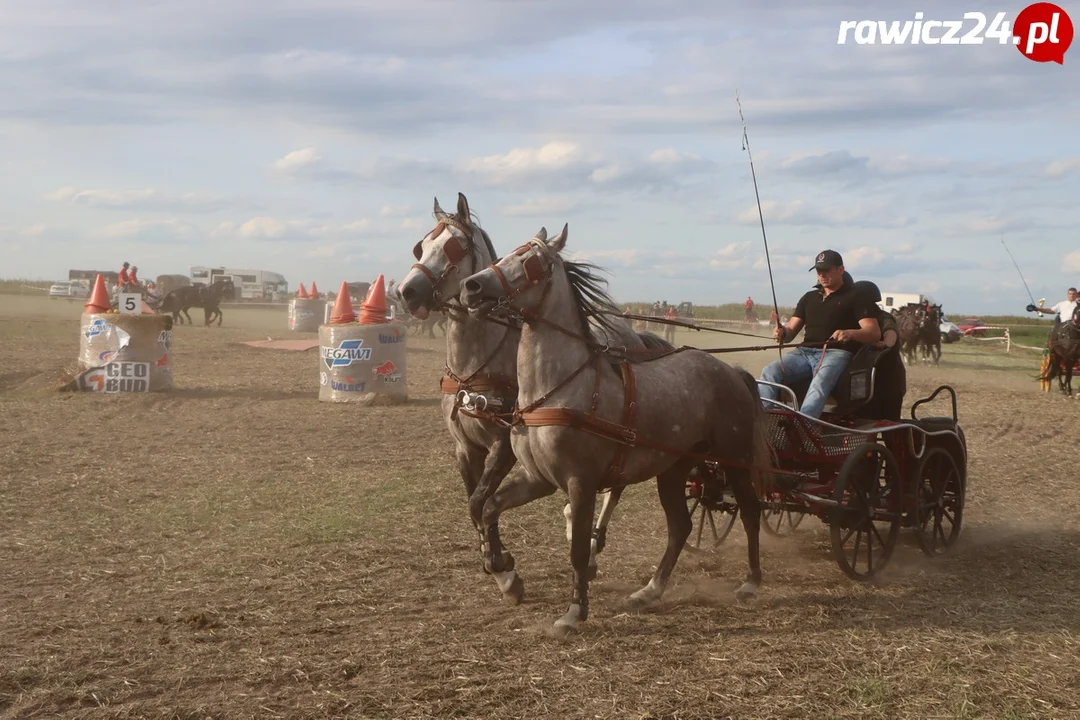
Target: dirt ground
point(237, 549)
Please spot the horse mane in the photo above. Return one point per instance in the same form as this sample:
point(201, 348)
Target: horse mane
point(590, 295)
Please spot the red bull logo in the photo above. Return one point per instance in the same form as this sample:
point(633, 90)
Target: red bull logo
point(387, 372)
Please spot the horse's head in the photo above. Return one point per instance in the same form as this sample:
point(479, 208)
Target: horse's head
point(520, 280)
point(454, 249)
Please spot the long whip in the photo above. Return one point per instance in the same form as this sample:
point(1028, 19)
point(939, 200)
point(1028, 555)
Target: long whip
point(761, 217)
point(1018, 270)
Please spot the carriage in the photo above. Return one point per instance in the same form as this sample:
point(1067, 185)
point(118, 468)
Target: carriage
point(864, 477)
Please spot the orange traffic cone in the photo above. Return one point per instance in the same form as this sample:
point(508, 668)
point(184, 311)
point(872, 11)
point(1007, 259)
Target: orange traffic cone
point(373, 309)
point(342, 312)
point(99, 299)
point(301, 293)
point(314, 291)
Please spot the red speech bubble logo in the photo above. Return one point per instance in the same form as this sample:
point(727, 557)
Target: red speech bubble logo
point(1043, 32)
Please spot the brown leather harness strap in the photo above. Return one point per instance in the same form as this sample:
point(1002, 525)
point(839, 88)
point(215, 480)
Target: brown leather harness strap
point(625, 434)
point(449, 385)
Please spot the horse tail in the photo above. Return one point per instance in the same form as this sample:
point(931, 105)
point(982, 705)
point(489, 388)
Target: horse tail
point(763, 456)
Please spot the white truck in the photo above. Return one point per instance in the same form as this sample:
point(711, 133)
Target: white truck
point(257, 285)
point(893, 301)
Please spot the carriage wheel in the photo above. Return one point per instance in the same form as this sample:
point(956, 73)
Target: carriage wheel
point(866, 520)
point(713, 511)
point(777, 521)
point(939, 501)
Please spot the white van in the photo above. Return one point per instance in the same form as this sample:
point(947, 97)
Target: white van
point(892, 302)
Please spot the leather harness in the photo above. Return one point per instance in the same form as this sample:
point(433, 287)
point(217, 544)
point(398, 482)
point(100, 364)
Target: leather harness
point(476, 382)
point(533, 415)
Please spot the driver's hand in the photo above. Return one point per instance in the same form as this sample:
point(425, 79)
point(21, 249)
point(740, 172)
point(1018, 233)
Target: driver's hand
point(841, 335)
point(778, 333)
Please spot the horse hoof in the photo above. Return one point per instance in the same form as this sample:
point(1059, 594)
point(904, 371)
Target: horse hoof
point(561, 631)
point(516, 592)
point(746, 593)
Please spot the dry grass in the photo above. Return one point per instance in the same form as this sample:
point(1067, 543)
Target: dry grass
point(236, 549)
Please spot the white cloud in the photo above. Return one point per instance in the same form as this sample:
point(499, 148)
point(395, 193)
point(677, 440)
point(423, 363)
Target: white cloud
point(1071, 262)
point(622, 257)
point(861, 258)
point(798, 212)
point(395, 211)
point(297, 160)
point(1061, 167)
point(554, 155)
point(732, 255)
point(540, 206)
point(141, 199)
point(151, 230)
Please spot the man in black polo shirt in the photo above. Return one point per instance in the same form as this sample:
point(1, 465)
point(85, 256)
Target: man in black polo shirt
point(834, 314)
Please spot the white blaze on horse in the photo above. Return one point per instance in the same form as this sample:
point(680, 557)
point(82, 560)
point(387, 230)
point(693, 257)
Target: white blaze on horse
point(594, 415)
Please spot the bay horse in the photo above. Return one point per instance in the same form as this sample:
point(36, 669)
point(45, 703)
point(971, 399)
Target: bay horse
point(1064, 344)
point(930, 334)
point(480, 375)
point(917, 329)
point(592, 416)
point(207, 297)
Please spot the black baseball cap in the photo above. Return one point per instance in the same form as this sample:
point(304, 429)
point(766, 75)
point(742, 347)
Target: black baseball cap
point(827, 259)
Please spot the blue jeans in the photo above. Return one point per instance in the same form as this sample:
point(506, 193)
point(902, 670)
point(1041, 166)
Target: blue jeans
point(802, 364)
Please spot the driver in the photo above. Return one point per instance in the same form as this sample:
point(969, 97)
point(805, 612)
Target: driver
point(837, 316)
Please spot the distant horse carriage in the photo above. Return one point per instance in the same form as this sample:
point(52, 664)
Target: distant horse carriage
point(920, 334)
point(207, 297)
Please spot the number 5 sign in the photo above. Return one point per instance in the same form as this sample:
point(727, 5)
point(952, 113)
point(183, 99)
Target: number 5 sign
point(130, 303)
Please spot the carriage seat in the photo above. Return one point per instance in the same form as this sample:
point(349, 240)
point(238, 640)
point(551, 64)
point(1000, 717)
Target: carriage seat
point(855, 387)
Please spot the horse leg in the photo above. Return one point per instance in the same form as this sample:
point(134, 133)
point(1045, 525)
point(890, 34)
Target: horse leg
point(582, 506)
point(220, 315)
point(186, 314)
point(520, 489)
point(499, 461)
point(599, 534)
point(750, 513)
point(671, 487)
point(471, 460)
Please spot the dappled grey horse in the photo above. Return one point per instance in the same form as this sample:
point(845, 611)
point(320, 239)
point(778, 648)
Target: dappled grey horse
point(480, 376)
point(592, 416)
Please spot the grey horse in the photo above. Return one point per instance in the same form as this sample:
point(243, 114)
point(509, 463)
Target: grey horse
point(592, 416)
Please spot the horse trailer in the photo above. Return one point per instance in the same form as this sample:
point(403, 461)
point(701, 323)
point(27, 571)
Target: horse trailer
point(891, 302)
point(252, 285)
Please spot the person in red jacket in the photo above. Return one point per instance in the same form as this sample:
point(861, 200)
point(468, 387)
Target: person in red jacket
point(123, 278)
point(133, 276)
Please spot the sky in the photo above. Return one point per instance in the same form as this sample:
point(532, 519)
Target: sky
point(311, 138)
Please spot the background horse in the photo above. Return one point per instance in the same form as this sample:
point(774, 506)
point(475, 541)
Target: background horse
point(207, 297)
point(592, 416)
point(481, 361)
point(919, 332)
point(1064, 344)
point(930, 334)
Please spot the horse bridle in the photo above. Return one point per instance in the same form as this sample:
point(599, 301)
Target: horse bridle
point(535, 273)
point(453, 248)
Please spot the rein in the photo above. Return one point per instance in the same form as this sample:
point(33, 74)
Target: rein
point(625, 434)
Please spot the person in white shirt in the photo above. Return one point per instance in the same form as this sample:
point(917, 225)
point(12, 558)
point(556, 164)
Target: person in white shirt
point(1063, 310)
